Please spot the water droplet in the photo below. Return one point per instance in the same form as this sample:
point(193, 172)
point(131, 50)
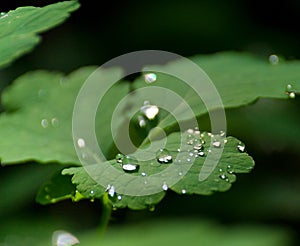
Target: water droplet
point(230, 169)
point(42, 93)
point(292, 95)
point(188, 159)
point(151, 208)
point(144, 174)
point(217, 144)
point(180, 173)
point(198, 147)
point(44, 123)
point(223, 176)
point(150, 111)
point(110, 189)
point(2, 13)
point(150, 78)
point(220, 170)
point(130, 164)
point(63, 238)
point(130, 167)
point(165, 186)
point(92, 193)
point(201, 153)
point(183, 191)
point(54, 122)
point(190, 131)
point(119, 197)
point(191, 154)
point(290, 91)
point(190, 142)
point(163, 156)
point(81, 143)
point(119, 158)
point(241, 147)
point(142, 121)
point(196, 131)
point(178, 150)
point(274, 59)
point(225, 140)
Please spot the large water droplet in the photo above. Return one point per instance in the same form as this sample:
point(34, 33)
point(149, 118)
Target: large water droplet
point(81, 143)
point(130, 167)
point(163, 156)
point(44, 123)
point(165, 186)
point(150, 111)
point(274, 59)
point(241, 147)
point(63, 238)
point(119, 197)
point(150, 78)
point(130, 164)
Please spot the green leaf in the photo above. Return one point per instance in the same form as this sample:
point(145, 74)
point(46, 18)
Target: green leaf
point(58, 188)
point(37, 124)
point(185, 178)
point(240, 79)
point(19, 28)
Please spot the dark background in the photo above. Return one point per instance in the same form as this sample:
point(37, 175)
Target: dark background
point(101, 30)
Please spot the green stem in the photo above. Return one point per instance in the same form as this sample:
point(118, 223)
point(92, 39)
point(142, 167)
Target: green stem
point(106, 213)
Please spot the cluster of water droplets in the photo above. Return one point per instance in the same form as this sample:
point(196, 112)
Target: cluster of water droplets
point(45, 123)
point(290, 91)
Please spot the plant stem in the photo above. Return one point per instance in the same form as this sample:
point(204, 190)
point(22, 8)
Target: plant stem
point(106, 213)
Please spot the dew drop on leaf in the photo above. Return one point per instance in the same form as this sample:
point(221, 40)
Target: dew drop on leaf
point(183, 191)
point(223, 176)
point(290, 91)
point(63, 238)
point(165, 186)
point(142, 121)
point(273, 59)
point(144, 174)
point(44, 123)
point(229, 169)
point(81, 143)
point(151, 208)
point(110, 189)
point(241, 147)
point(119, 158)
point(150, 78)
point(150, 111)
point(54, 122)
point(119, 197)
point(130, 167)
point(217, 144)
point(163, 156)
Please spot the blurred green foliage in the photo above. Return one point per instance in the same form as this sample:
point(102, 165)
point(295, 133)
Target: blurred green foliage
point(269, 197)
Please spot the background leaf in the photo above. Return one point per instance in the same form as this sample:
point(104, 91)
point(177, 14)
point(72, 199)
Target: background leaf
point(19, 28)
point(38, 120)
